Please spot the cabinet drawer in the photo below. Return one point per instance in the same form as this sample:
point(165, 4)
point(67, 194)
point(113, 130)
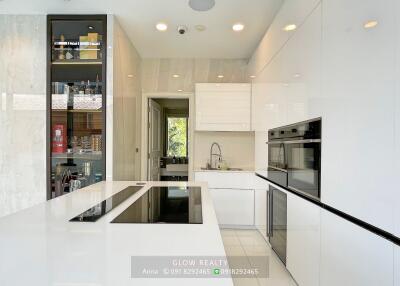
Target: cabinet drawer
point(233, 206)
point(227, 180)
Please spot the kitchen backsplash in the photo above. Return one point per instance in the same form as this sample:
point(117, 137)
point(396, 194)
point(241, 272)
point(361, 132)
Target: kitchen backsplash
point(237, 148)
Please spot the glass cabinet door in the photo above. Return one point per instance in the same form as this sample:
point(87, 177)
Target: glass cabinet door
point(77, 102)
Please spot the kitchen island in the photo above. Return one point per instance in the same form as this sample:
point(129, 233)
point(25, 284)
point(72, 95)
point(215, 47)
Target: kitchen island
point(41, 246)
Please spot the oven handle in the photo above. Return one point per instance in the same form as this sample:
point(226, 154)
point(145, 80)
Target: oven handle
point(294, 141)
point(269, 214)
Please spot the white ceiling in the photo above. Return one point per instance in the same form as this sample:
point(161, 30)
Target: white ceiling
point(138, 18)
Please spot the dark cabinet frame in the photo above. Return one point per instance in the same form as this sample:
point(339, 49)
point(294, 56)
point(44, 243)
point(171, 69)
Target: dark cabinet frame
point(50, 18)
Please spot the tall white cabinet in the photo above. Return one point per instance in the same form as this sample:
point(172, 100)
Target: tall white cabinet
point(358, 110)
point(223, 107)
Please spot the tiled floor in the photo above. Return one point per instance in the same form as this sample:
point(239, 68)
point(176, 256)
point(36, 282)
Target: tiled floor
point(248, 243)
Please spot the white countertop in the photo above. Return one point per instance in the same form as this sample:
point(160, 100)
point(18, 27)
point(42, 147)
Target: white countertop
point(39, 246)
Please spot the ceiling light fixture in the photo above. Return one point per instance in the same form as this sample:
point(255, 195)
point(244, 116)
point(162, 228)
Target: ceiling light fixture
point(200, 28)
point(175, 75)
point(370, 24)
point(162, 27)
point(90, 27)
point(296, 75)
point(180, 90)
point(290, 27)
point(238, 27)
point(220, 76)
point(130, 75)
point(252, 76)
point(201, 5)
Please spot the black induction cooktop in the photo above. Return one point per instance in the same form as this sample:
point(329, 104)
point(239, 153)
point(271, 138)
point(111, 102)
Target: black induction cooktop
point(178, 205)
point(100, 209)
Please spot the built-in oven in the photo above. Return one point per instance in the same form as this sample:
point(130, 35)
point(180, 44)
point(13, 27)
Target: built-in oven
point(294, 157)
point(304, 165)
point(277, 168)
point(277, 221)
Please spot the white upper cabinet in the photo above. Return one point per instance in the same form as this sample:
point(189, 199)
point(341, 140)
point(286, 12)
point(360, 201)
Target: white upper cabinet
point(351, 255)
point(223, 107)
point(303, 240)
point(358, 110)
point(288, 90)
point(292, 12)
point(397, 126)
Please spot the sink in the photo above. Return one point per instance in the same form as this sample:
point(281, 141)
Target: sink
point(215, 169)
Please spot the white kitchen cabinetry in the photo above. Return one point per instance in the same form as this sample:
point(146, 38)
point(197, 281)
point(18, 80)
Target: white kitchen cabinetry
point(261, 187)
point(358, 87)
point(303, 240)
point(234, 206)
point(223, 107)
point(291, 12)
point(288, 90)
point(397, 129)
point(351, 255)
point(232, 194)
point(396, 265)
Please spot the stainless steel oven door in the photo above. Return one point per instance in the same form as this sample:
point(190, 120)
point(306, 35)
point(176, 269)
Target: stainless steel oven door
point(277, 162)
point(304, 166)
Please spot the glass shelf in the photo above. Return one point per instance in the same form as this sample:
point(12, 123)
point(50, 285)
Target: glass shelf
point(77, 62)
point(79, 110)
point(80, 156)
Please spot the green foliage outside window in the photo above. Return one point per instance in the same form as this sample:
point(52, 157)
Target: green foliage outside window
point(177, 136)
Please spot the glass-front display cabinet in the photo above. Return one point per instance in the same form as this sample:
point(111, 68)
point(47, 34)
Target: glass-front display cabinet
point(76, 94)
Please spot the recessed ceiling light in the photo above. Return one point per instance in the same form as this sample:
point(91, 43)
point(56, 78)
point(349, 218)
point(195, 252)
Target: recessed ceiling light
point(370, 24)
point(238, 27)
point(220, 76)
point(201, 5)
point(162, 27)
point(252, 76)
point(290, 27)
point(200, 28)
point(130, 75)
point(175, 75)
point(180, 90)
point(90, 27)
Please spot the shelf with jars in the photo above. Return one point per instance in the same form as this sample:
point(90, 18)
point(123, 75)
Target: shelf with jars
point(76, 101)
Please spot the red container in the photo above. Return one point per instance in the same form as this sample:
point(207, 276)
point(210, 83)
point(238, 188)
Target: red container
point(59, 138)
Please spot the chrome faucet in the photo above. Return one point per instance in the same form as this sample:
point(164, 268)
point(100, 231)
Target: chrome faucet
point(213, 154)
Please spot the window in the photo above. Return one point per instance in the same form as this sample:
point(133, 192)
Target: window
point(177, 136)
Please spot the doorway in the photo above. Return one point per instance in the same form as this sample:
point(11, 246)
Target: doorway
point(168, 145)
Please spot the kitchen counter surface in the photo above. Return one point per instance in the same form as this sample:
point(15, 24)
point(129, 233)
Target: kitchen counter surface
point(39, 246)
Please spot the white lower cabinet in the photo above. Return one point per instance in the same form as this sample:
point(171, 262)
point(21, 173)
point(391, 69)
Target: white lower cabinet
point(260, 211)
point(396, 265)
point(303, 240)
point(234, 206)
point(353, 256)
